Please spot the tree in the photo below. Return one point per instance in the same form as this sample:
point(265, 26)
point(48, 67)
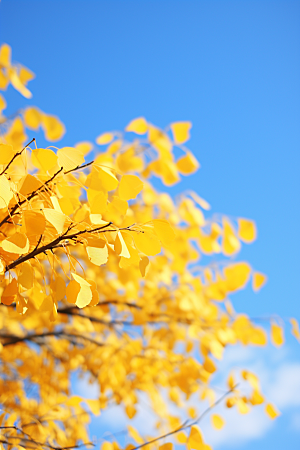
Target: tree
point(99, 278)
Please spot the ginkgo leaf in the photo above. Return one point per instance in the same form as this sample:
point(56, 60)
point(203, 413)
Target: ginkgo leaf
point(164, 231)
point(94, 406)
point(26, 275)
point(230, 242)
point(195, 440)
point(34, 223)
point(130, 186)
point(79, 291)
point(98, 255)
point(277, 336)
point(84, 147)
point(17, 243)
point(236, 275)
point(18, 85)
point(187, 164)
point(272, 411)
point(144, 265)
point(134, 434)
point(252, 379)
point(181, 131)
point(295, 328)
point(258, 280)
point(147, 243)
point(3, 103)
point(121, 247)
point(25, 75)
point(217, 421)
point(54, 129)
point(130, 411)
point(6, 153)
point(56, 218)
point(138, 126)
point(5, 55)
point(69, 158)
point(28, 184)
point(246, 230)
point(6, 193)
point(43, 158)
point(104, 138)
point(32, 118)
point(166, 446)
point(108, 180)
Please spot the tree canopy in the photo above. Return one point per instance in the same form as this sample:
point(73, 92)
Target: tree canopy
point(100, 276)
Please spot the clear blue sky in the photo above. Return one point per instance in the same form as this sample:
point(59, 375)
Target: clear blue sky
point(232, 68)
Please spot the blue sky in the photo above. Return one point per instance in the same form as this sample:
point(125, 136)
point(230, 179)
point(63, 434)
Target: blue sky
point(230, 67)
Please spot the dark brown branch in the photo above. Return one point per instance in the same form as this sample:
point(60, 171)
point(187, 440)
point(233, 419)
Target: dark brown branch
point(30, 197)
point(79, 167)
point(53, 244)
point(15, 156)
point(33, 337)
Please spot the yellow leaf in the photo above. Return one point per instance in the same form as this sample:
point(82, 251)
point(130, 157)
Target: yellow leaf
point(25, 75)
point(195, 440)
point(58, 287)
point(272, 411)
point(104, 138)
point(134, 434)
point(246, 230)
point(147, 243)
point(231, 381)
point(252, 379)
point(43, 158)
point(98, 255)
point(187, 164)
point(18, 85)
point(144, 265)
point(32, 118)
point(28, 184)
point(54, 129)
point(26, 275)
point(34, 223)
point(84, 147)
point(295, 328)
point(230, 242)
point(17, 243)
point(181, 437)
point(130, 186)
point(138, 126)
point(164, 231)
point(79, 291)
point(160, 141)
point(2, 103)
point(69, 158)
point(166, 446)
point(130, 411)
point(6, 193)
point(209, 365)
point(6, 153)
point(236, 276)
point(56, 218)
point(242, 406)
point(121, 247)
point(256, 398)
point(108, 179)
point(217, 421)
point(258, 280)
point(94, 406)
point(277, 336)
point(5, 55)
point(181, 131)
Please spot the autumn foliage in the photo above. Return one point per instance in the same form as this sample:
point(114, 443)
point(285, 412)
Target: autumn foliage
point(100, 276)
